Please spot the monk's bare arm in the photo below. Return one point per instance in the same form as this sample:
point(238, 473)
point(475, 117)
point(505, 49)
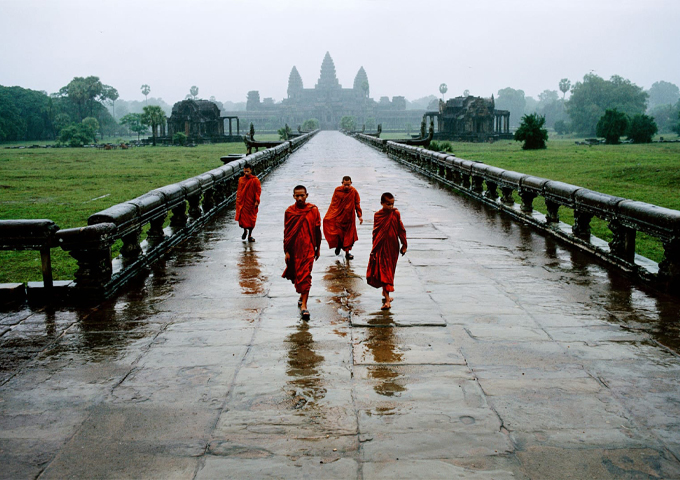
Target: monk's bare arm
point(402, 236)
point(317, 242)
point(357, 207)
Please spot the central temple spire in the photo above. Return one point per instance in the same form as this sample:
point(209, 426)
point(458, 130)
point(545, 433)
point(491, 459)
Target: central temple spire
point(327, 79)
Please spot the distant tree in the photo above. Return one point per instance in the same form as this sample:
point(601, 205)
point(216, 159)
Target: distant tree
point(25, 114)
point(309, 125)
point(348, 123)
point(370, 124)
point(92, 124)
point(562, 127)
point(133, 121)
point(466, 93)
point(665, 116)
point(531, 132)
point(513, 101)
point(641, 129)
point(110, 95)
point(193, 91)
point(443, 88)
point(612, 126)
point(62, 120)
point(551, 107)
point(565, 85)
point(663, 93)
point(153, 116)
point(284, 132)
point(179, 138)
point(145, 91)
point(84, 93)
point(676, 128)
point(593, 96)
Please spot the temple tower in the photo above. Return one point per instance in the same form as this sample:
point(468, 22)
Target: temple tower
point(361, 83)
point(327, 79)
point(295, 86)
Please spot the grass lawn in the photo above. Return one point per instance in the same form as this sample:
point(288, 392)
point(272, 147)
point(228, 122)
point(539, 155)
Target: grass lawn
point(68, 185)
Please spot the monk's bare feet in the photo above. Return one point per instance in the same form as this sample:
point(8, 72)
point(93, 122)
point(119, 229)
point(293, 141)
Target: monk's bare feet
point(386, 306)
point(245, 234)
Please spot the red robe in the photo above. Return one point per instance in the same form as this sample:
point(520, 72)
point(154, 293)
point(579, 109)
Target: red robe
point(301, 236)
point(388, 230)
point(247, 194)
point(339, 226)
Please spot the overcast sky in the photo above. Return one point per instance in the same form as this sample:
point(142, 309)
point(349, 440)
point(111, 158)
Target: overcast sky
point(228, 47)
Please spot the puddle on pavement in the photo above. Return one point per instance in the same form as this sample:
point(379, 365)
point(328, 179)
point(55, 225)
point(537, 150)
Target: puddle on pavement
point(250, 275)
point(305, 384)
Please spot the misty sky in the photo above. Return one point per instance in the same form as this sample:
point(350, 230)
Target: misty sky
point(229, 47)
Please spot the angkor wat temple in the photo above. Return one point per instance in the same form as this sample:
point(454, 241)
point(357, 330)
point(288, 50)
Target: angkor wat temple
point(328, 102)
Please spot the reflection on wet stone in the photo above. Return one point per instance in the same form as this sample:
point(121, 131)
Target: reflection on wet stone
point(303, 368)
point(381, 342)
point(249, 272)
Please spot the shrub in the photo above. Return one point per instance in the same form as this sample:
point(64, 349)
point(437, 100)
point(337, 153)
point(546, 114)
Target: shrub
point(642, 128)
point(612, 125)
point(179, 138)
point(311, 124)
point(76, 135)
point(562, 127)
point(440, 146)
point(531, 132)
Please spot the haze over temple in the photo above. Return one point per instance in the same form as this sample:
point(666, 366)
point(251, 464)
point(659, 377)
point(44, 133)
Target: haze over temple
point(328, 102)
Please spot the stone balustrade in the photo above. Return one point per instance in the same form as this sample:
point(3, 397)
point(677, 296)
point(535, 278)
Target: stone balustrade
point(496, 187)
point(190, 205)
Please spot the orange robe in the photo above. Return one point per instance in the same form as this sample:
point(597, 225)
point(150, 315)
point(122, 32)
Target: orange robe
point(301, 236)
point(247, 194)
point(388, 230)
point(339, 226)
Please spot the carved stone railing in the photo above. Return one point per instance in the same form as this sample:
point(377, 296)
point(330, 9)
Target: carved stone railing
point(624, 217)
point(190, 204)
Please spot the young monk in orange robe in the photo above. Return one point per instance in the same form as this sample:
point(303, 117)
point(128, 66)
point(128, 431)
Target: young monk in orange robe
point(339, 227)
point(388, 231)
point(301, 244)
point(247, 202)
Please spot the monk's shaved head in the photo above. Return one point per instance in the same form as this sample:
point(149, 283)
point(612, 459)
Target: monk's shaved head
point(300, 187)
point(346, 178)
point(386, 196)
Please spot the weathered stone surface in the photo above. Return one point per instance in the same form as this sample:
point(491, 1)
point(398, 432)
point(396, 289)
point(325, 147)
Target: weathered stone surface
point(505, 355)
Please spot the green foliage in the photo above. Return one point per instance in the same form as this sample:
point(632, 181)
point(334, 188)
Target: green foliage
point(193, 91)
point(25, 114)
point(513, 101)
point(676, 128)
point(665, 116)
point(562, 127)
point(593, 96)
point(145, 91)
point(284, 132)
point(565, 85)
point(532, 132)
point(371, 124)
point(309, 125)
point(153, 117)
point(348, 123)
point(179, 138)
point(641, 129)
point(612, 126)
point(436, 146)
point(663, 93)
point(133, 121)
point(77, 134)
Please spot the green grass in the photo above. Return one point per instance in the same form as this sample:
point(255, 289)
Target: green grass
point(70, 184)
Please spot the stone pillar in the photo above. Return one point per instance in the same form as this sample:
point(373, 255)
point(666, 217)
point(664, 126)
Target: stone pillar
point(230, 126)
point(238, 127)
point(581, 226)
point(623, 241)
point(195, 206)
point(91, 248)
point(553, 211)
point(506, 196)
point(669, 267)
point(491, 190)
point(477, 184)
point(131, 248)
point(527, 201)
point(179, 215)
point(156, 234)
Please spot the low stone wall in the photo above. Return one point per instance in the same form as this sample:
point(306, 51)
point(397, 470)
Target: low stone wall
point(193, 202)
point(495, 186)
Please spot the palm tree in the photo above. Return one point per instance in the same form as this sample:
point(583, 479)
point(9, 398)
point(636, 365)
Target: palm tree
point(145, 91)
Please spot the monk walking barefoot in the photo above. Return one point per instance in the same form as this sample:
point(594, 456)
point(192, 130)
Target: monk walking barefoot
point(247, 202)
point(339, 226)
point(301, 244)
point(388, 231)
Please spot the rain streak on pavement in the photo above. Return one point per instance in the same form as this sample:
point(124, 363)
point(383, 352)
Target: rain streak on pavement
point(505, 355)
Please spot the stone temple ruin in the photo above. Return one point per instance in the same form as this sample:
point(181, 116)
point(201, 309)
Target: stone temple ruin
point(200, 121)
point(470, 119)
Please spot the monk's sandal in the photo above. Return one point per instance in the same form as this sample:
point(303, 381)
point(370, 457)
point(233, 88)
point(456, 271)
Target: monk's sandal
point(305, 315)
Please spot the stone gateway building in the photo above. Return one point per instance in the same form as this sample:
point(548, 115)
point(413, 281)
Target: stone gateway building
point(472, 119)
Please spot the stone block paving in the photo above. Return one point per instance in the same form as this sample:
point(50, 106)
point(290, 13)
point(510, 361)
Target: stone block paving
point(505, 356)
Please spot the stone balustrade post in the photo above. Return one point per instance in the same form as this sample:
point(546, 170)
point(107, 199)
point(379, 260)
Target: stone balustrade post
point(91, 248)
point(194, 206)
point(457, 177)
point(155, 234)
point(527, 201)
point(131, 248)
point(506, 196)
point(179, 216)
point(581, 227)
point(465, 180)
point(491, 190)
point(623, 241)
point(553, 208)
point(477, 184)
point(669, 267)
point(208, 200)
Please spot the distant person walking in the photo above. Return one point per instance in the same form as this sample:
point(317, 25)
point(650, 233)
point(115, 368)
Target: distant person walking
point(301, 244)
point(339, 226)
point(388, 232)
point(247, 202)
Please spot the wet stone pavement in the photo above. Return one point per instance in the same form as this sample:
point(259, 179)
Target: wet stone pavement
point(505, 355)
